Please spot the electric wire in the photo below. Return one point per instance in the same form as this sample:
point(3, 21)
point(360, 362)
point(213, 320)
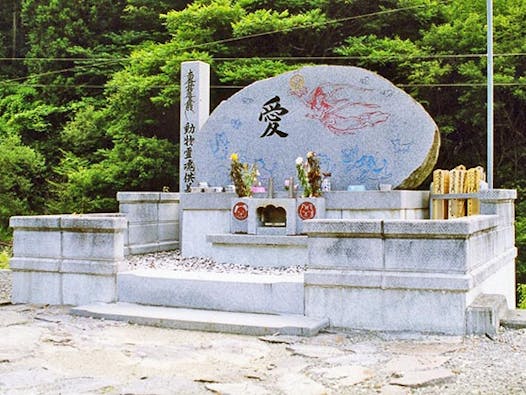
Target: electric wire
point(342, 57)
point(106, 60)
point(418, 85)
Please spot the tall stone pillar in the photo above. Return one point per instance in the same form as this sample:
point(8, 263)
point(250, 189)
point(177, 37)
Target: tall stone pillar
point(195, 109)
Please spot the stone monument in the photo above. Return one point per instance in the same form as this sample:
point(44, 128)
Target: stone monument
point(195, 108)
point(365, 130)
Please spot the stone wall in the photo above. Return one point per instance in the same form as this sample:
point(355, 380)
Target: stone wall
point(74, 259)
point(376, 273)
point(66, 259)
point(412, 275)
point(153, 221)
point(206, 219)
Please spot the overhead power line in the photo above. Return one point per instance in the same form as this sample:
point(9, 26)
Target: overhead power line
point(52, 59)
point(58, 71)
point(100, 61)
point(237, 87)
point(342, 57)
point(306, 26)
point(233, 39)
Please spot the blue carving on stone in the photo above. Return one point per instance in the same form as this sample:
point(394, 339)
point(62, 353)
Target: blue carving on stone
point(219, 146)
point(365, 168)
point(400, 147)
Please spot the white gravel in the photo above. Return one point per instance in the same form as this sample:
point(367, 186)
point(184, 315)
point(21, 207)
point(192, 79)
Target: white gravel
point(172, 260)
point(5, 285)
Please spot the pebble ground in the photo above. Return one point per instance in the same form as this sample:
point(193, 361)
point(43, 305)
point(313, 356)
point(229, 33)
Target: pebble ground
point(45, 350)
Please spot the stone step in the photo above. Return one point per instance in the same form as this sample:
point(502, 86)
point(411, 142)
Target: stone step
point(239, 292)
point(205, 320)
point(484, 314)
point(515, 319)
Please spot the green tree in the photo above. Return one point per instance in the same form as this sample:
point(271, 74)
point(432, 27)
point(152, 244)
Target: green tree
point(97, 141)
point(11, 39)
point(21, 168)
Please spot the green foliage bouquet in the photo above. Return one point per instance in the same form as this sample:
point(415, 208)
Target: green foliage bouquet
point(243, 176)
point(309, 175)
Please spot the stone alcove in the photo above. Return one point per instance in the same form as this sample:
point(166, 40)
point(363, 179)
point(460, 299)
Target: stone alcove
point(271, 216)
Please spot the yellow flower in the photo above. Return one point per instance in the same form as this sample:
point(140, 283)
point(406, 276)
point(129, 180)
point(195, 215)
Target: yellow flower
point(234, 157)
point(310, 154)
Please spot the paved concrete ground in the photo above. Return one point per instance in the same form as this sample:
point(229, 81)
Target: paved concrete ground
point(44, 350)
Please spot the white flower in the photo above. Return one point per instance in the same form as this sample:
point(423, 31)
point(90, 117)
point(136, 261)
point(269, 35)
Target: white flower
point(299, 161)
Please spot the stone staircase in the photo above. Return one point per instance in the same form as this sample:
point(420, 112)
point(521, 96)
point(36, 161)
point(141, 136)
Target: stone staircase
point(243, 303)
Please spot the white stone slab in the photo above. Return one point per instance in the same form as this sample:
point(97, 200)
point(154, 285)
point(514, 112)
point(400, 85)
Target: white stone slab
point(239, 292)
point(205, 320)
point(36, 287)
point(80, 289)
point(388, 309)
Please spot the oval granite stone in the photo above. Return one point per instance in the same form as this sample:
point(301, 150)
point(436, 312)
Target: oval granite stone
point(365, 130)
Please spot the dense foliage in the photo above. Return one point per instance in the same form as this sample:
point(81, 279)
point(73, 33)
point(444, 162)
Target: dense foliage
point(89, 90)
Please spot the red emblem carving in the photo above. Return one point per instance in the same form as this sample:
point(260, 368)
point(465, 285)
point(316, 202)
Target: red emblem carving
point(307, 210)
point(240, 211)
point(334, 107)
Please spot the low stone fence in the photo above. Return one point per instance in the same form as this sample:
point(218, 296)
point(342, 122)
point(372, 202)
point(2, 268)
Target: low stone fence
point(66, 259)
point(153, 221)
point(376, 273)
point(413, 275)
point(73, 259)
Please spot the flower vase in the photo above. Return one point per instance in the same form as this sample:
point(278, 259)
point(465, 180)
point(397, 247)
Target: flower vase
point(308, 208)
point(239, 213)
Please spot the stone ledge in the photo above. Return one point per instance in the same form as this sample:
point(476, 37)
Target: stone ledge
point(59, 265)
point(207, 201)
point(459, 227)
point(387, 280)
point(393, 279)
point(420, 228)
point(84, 223)
point(91, 267)
point(482, 272)
point(257, 239)
point(343, 227)
point(147, 197)
point(494, 195)
point(336, 200)
point(44, 222)
point(484, 314)
point(377, 200)
point(215, 276)
point(515, 319)
point(242, 292)
point(96, 223)
point(205, 320)
point(137, 249)
point(35, 264)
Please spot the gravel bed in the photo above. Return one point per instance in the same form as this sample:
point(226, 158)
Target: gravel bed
point(172, 260)
point(5, 285)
